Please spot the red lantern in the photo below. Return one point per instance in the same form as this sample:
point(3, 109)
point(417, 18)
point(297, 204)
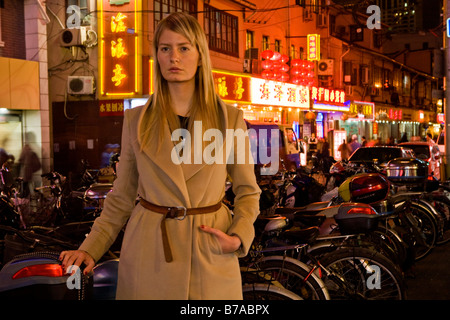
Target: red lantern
point(297, 80)
point(296, 70)
point(284, 77)
point(267, 54)
point(284, 58)
point(266, 64)
point(296, 62)
point(276, 56)
point(310, 115)
point(276, 65)
point(284, 67)
point(276, 75)
point(267, 74)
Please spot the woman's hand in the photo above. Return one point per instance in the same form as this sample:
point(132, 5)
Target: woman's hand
point(77, 257)
point(229, 243)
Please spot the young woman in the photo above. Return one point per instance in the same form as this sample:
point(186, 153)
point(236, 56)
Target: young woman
point(180, 241)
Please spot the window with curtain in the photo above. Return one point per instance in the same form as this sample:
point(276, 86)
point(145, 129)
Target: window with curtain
point(221, 29)
point(162, 8)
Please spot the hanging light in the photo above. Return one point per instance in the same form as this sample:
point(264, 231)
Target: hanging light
point(276, 56)
point(310, 115)
point(267, 54)
point(284, 58)
point(266, 64)
point(296, 62)
point(267, 74)
point(284, 67)
point(284, 76)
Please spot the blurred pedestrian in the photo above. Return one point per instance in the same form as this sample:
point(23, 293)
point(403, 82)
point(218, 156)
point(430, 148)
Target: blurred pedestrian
point(106, 155)
point(363, 141)
point(344, 149)
point(354, 144)
point(29, 163)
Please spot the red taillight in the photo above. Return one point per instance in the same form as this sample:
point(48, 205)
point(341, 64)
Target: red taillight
point(45, 270)
point(361, 210)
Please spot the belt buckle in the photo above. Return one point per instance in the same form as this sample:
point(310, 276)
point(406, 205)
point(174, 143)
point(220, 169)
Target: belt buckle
point(177, 208)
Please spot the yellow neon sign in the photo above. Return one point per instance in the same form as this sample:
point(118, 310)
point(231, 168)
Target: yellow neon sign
point(119, 59)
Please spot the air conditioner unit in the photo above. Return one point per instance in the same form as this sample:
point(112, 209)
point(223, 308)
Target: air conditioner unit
point(73, 37)
point(80, 85)
point(325, 67)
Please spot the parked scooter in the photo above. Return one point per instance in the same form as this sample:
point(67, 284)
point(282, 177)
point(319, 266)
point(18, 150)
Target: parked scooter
point(40, 275)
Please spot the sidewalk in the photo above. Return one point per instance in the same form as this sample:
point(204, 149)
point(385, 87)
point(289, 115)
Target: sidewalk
point(432, 276)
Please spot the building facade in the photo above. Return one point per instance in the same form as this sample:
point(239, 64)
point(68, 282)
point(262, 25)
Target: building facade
point(313, 65)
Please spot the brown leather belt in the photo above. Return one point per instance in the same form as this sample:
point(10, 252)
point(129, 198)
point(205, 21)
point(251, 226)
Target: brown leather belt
point(177, 212)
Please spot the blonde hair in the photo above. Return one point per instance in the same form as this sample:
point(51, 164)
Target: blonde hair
point(204, 106)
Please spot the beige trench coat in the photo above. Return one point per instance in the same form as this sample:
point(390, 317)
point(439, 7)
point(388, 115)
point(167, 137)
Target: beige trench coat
point(199, 269)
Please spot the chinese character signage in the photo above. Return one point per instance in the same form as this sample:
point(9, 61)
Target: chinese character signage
point(313, 47)
point(109, 108)
point(362, 110)
point(232, 87)
point(325, 95)
point(392, 114)
point(119, 47)
point(279, 94)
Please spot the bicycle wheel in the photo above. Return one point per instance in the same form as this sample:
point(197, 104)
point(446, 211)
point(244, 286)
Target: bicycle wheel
point(442, 206)
point(425, 229)
point(361, 273)
point(294, 276)
point(266, 291)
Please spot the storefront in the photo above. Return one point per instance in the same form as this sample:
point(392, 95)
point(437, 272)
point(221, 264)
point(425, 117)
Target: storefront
point(359, 119)
point(329, 105)
point(391, 124)
point(20, 117)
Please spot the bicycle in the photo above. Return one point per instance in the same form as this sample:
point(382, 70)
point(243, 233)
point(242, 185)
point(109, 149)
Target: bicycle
point(272, 267)
point(346, 269)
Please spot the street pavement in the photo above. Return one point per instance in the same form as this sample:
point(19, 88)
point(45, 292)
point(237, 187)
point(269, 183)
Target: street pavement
point(431, 276)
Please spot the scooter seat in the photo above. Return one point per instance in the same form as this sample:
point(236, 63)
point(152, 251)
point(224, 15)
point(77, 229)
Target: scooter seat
point(301, 235)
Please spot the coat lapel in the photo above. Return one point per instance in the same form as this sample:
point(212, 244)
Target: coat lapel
point(162, 158)
point(168, 161)
point(198, 160)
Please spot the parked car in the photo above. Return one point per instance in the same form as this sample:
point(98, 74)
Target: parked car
point(424, 151)
point(380, 154)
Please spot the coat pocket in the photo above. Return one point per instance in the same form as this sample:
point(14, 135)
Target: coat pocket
point(220, 220)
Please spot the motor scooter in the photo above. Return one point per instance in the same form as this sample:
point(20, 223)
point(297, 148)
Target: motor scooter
point(40, 275)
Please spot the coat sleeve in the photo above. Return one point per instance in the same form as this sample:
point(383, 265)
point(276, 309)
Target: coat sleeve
point(120, 202)
point(246, 189)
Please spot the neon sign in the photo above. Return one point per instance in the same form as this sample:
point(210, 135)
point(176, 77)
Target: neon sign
point(324, 95)
point(362, 110)
point(119, 48)
point(313, 46)
point(232, 87)
point(279, 93)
